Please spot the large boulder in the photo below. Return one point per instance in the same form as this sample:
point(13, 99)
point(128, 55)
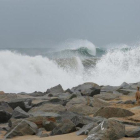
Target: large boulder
point(24, 127)
point(18, 113)
point(25, 104)
point(65, 127)
point(75, 101)
point(87, 89)
point(5, 112)
point(109, 112)
point(48, 108)
point(107, 130)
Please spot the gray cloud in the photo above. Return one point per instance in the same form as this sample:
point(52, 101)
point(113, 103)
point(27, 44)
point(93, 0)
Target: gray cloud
point(32, 23)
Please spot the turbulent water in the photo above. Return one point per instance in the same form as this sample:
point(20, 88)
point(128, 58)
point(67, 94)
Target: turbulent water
point(70, 64)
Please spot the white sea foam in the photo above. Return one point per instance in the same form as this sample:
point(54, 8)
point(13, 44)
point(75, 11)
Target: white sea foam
point(25, 73)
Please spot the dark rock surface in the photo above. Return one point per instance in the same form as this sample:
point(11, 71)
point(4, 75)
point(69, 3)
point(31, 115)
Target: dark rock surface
point(18, 113)
point(5, 112)
point(87, 89)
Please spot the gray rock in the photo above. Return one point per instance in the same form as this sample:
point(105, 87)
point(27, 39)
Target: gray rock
point(49, 125)
point(86, 128)
point(82, 109)
point(66, 127)
point(109, 88)
point(100, 103)
point(5, 112)
point(56, 89)
point(48, 108)
point(109, 112)
point(77, 100)
point(135, 132)
point(107, 96)
point(25, 104)
point(19, 113)
point(37, 93)
point(42, 133)
point(107, 130)
point(88, 89)
point(23, 128)
point(126, 91)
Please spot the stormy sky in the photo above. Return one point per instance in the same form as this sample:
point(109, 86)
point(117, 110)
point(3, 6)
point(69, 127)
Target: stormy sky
point(35, 23)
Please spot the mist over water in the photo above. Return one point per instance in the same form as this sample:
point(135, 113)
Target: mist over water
point(29, 70)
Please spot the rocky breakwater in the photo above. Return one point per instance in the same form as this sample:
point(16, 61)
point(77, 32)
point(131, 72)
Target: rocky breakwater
point(99, 112)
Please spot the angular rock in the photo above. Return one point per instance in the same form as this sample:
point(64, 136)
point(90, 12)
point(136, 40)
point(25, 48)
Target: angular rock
point(109, 112)
point(5, 112)
point(87, 89)
point(66, 127)
point(85, 129)
point(56, 89)
point(38, 120)
point(107, 130)
point(49, 125)
point(18, 113)
point(48, 108)
point(42, 133)
point(25, 104)
point(77, 100)
point(24, 127)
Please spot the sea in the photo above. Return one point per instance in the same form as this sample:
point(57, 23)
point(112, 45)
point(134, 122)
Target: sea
point(69, 64)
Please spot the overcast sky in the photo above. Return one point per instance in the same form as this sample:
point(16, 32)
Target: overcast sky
point(25, 23)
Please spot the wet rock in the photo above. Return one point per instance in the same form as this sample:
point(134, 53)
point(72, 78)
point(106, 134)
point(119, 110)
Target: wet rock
point(66, 127)
point(48, 108)
point(87, 89)
point(19, 113)
point(109, 112)
point(24, 127)
point(5, 112)
point(107, 130)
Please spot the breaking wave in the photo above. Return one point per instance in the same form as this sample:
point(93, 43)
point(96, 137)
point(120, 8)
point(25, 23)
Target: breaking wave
point(24, 73)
